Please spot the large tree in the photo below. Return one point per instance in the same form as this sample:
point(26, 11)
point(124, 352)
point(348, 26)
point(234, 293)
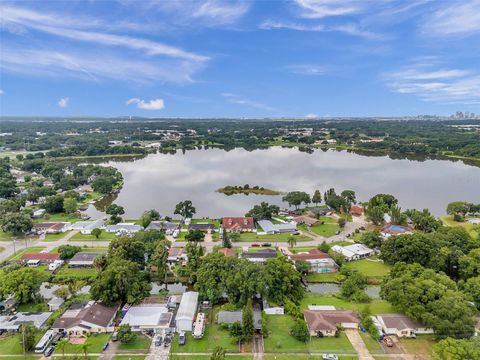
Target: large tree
point(317, 197)
point(127, 248)
point(457, 349)
point(194, 255)
point(54, 204)
point(16, 223)
point(296, 198)
point(159, 259)
point(248, 324)
point(263, 211)
point(121, 281)
point(23, 282)
point(185, 209)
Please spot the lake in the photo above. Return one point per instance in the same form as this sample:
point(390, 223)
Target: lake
point(159, 181)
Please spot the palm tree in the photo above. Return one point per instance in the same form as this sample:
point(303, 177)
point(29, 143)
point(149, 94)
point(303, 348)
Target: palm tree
point(85, 349)
point(292, 241)
point(61, 346)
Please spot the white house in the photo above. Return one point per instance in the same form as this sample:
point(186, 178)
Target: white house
point(186, 311)
point(123, 228)
point(401, 325)
point(271, 228)
point(148, 317)
point(86, 227)
point(353, 252)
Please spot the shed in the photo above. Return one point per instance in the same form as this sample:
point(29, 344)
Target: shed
point(55, 303)
point(186, 311)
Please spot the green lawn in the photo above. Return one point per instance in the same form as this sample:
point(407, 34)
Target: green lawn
point(31, 307)
point(215, 223)
point(2, 249)
point(373, 346)
point(325, 277)
point(22, 251)
point(129, 357)
point(58, 217)
point(95, 345)
point(448, 220)
point(332, 344)
point(76, 273)
point(371, 269)
point(207, 357)
point(11, 344)
point(103, 236)
point(301, 357)
point(377, 306)
point(253, 237)
point(141, 344)
point(213, 337)
point(325, 230)
point(421, 346)
point(55, 237)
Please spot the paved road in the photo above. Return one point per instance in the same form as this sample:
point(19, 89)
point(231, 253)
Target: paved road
point(258, 347)
point(358, 344)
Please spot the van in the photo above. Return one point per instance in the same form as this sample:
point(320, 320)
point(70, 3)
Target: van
point(115, 336)
point(182, 339)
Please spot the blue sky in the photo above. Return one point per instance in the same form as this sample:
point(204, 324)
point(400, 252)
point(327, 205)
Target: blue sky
point(239, 58)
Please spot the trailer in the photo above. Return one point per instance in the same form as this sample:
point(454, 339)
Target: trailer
point(199, 327)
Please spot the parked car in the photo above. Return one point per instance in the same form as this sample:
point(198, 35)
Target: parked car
point(105, 346)
point(115, 336)
point(388, 341)
point(158, 340)
point(182, 339)
point(255, 245)
point(266, 244)
point(329, 357)
point(48, 351)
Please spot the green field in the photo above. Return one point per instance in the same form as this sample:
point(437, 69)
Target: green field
point(11, 344)
point(245, 356)
point(104, 236)
point(376, 306)
point(58, 217)
point(2, 249)
point(95, 345)
point(55, 237)
point(473, 231)
point(371, 268)
point(139, 345)
point(325, 277)
point(421, 346)
point(373, 346)
point(280, 341)
point(22, 251)
point(325, 230)
point(31, 307)
point(253, 237)
point(76, 273)
point(302, 357)
point(129, 357)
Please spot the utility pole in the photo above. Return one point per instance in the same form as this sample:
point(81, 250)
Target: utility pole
point(23, 341)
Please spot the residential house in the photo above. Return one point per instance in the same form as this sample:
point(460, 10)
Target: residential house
point(357, 210)
point(401, 325)
point(123, 228)
point(176, 254)
point(319, 261)
point(307, 220)
point(13, 322)
point(205, 227)
point(42, 258)
point(228, 252)
point(167, 226)
point(261, 255)
point(230, 317)
point(325, 322)
point(186, 311)
point(394, 230)
point(148, 317)
point(50, 227)
point(271, 228)
point(83, 259)
point(353, 252)
point(241, 224)
point(84, 319)
point(8, 303)
point(38, 213)
point(86, 227)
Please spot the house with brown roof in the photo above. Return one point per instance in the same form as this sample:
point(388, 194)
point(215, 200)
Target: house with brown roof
point(325, 322)
point(50, 227)
point(204, 227)
point(84, 319)
point(394, 230)
point(319, 261)
point(43, 258)
point(357, 210)
point(242, 224)
point(401, 325)
point(176, 254)
point(307, 220)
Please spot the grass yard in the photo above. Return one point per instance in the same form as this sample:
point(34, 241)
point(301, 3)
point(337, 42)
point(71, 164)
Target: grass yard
point(55, 237)
point(76, 273)
point(141, 344)
point(22, 251)
point(31, 307)
point(2, 249)
point(11, 344)
point(279, 339)
point(325, 277)
point(332, 345)
point(421, 346)
point(302, 357)
point(377, 306)
point(371, 269)
point(58, 217)
point(104, 236)
point(207, 357)
point(95, 345)
point(325, 230)
point(214, 222)
point(448, 220)
point(253, 237)
point(129, 357)
point(213, 337)
point(373, 346)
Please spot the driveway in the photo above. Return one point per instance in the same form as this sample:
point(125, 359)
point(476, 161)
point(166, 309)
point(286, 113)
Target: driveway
point(358, 344)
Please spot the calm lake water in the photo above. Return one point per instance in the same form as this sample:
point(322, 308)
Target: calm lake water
point(159, 181)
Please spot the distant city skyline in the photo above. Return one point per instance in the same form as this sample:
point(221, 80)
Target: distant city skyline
point(215, 58)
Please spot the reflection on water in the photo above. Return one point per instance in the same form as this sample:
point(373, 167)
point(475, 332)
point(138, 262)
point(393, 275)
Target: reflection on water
point(372, 291)
point(159, 181)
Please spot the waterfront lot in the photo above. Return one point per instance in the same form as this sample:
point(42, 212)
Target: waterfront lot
point(377, 306)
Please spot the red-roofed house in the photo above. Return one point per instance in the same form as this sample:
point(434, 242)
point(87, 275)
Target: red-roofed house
point(318, 260)
point(357, 210)
point(238, 224)
point(325, 322)
point(44, 258)
point(50, 227)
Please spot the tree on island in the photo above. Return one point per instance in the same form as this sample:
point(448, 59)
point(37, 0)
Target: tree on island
point(185, 209)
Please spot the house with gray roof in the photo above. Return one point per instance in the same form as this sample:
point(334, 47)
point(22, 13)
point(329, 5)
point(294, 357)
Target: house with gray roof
point(86, 227)
point(270, 228)
point(261, 255)
point(230, 317)
point(148, 317)
point(83, 259)
point(123, 228)
point(13, 322)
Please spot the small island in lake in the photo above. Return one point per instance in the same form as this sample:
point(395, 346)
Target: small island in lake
point(247, 189)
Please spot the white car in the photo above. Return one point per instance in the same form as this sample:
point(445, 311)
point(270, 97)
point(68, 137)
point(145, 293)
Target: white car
point(329, 357)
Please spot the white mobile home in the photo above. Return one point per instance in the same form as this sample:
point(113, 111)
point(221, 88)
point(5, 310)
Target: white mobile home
point(186, 311)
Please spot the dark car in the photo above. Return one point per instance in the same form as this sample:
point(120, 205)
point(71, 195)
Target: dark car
point(182, 338)
point(158, 340)
point(266, 244)
point(105, 346)
point(255, 245)
point(48, 351)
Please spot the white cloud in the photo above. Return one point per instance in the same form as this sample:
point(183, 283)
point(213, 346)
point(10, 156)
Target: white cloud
point(349, 29)
point(63, 102)
point(317, 9)
point(222, 11)
point(154, 104)
point(456, 19)
point(2, 92)
point(307, 69)
point(312, 116)
point(437, 85)
point(236, 99)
